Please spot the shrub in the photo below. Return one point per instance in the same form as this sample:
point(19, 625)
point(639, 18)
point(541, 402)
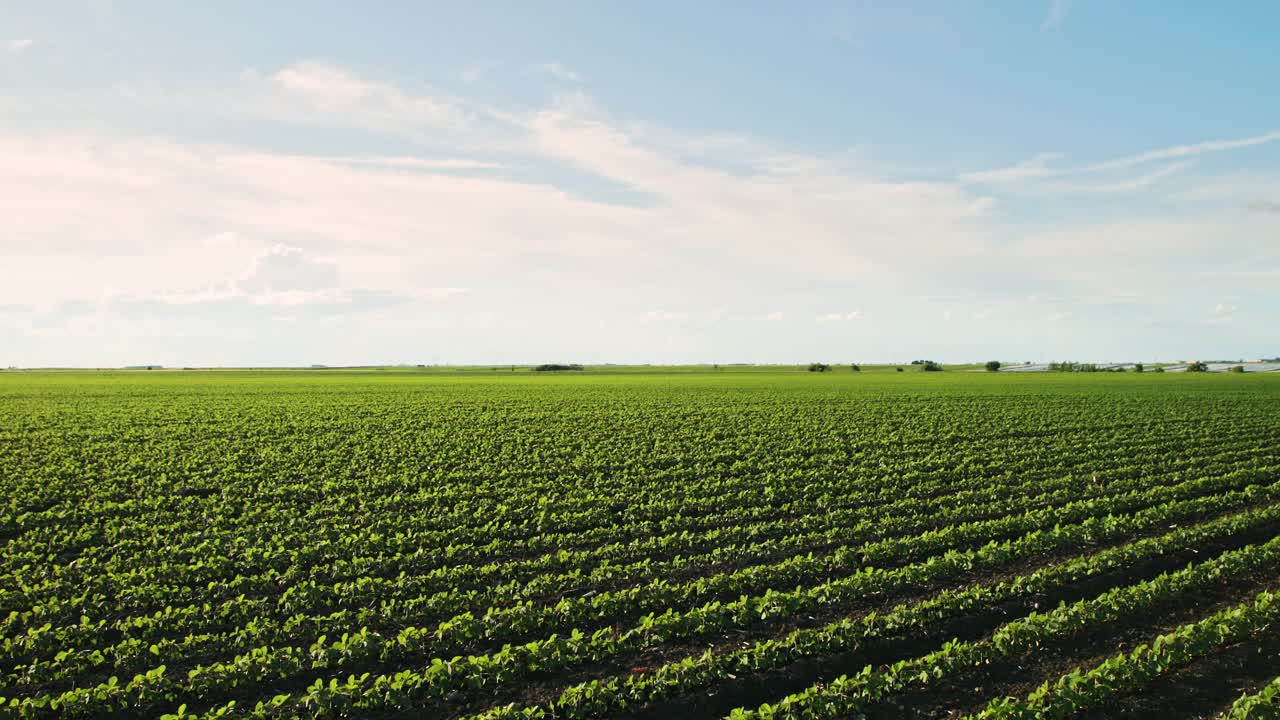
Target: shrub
point(819, 367)
point(1197, 366)
point(930, 366)
point(993, 366)
point(855, 367)
point(1137, 367)
point(1236, 369)
point(554, 367)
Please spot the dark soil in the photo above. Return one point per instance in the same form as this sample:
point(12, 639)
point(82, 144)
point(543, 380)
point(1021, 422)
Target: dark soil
point(970, 691)
point(758, 688)
point(1203, 689)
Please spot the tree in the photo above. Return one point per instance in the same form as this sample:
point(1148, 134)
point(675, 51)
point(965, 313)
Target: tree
point(930, 366)
point(819, 367)
point(1197, 366)
point(855, 367)
point(1138, 367)
point(1236, 369)
point(993, 366)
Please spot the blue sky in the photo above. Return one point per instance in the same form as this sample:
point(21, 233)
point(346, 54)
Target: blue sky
point(323, 182)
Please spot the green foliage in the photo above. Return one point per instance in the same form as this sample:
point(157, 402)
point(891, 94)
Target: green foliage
point(1197, 367)
point(819, 367)
point(347, 544)
point(554, 367)
point(993, 366)
point(1073, 367)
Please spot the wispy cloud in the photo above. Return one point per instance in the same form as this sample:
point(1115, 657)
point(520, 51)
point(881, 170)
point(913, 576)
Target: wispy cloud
point(318, 91)
point(1036, 167)
point(408, 162)
point(632, 215)
point(664, 316)
point(1058, 11)
point(560, 71)
point(840, 317)
point(1126, 185)
point(1040, 166)
point(20, 45)
point(1181, 151)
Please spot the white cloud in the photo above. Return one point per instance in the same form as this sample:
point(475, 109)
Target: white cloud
point(559, 71)
point(281, 268)
point(1183, 151)
point(855, 223)
point(840, 317)
point(1058, 11)
point(20, 45)
point(1224, 309)
point(1139, 183)
point(1038, 167)
point(664, 316)
point(538, 209)
point(1126, 185)
point(142, 205)
point(283, 276)
point(222, 239)
point(329, 85)
point(319, 92)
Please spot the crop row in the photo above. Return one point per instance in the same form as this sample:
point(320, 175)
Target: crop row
point(848, 694)
point(195, 556)
point(461, 631)
point(408, 596)
point(1082, 689)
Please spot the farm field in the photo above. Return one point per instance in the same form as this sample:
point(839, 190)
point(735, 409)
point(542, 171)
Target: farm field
point(634, 543)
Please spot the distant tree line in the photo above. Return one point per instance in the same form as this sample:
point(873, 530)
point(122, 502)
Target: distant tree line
point(1081, 367)
point(554, 367)
point(924, 365)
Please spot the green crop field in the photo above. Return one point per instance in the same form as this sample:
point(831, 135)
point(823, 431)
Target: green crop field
point(639, 543)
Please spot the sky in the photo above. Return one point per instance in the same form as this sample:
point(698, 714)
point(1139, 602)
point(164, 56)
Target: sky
point(289, 183)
